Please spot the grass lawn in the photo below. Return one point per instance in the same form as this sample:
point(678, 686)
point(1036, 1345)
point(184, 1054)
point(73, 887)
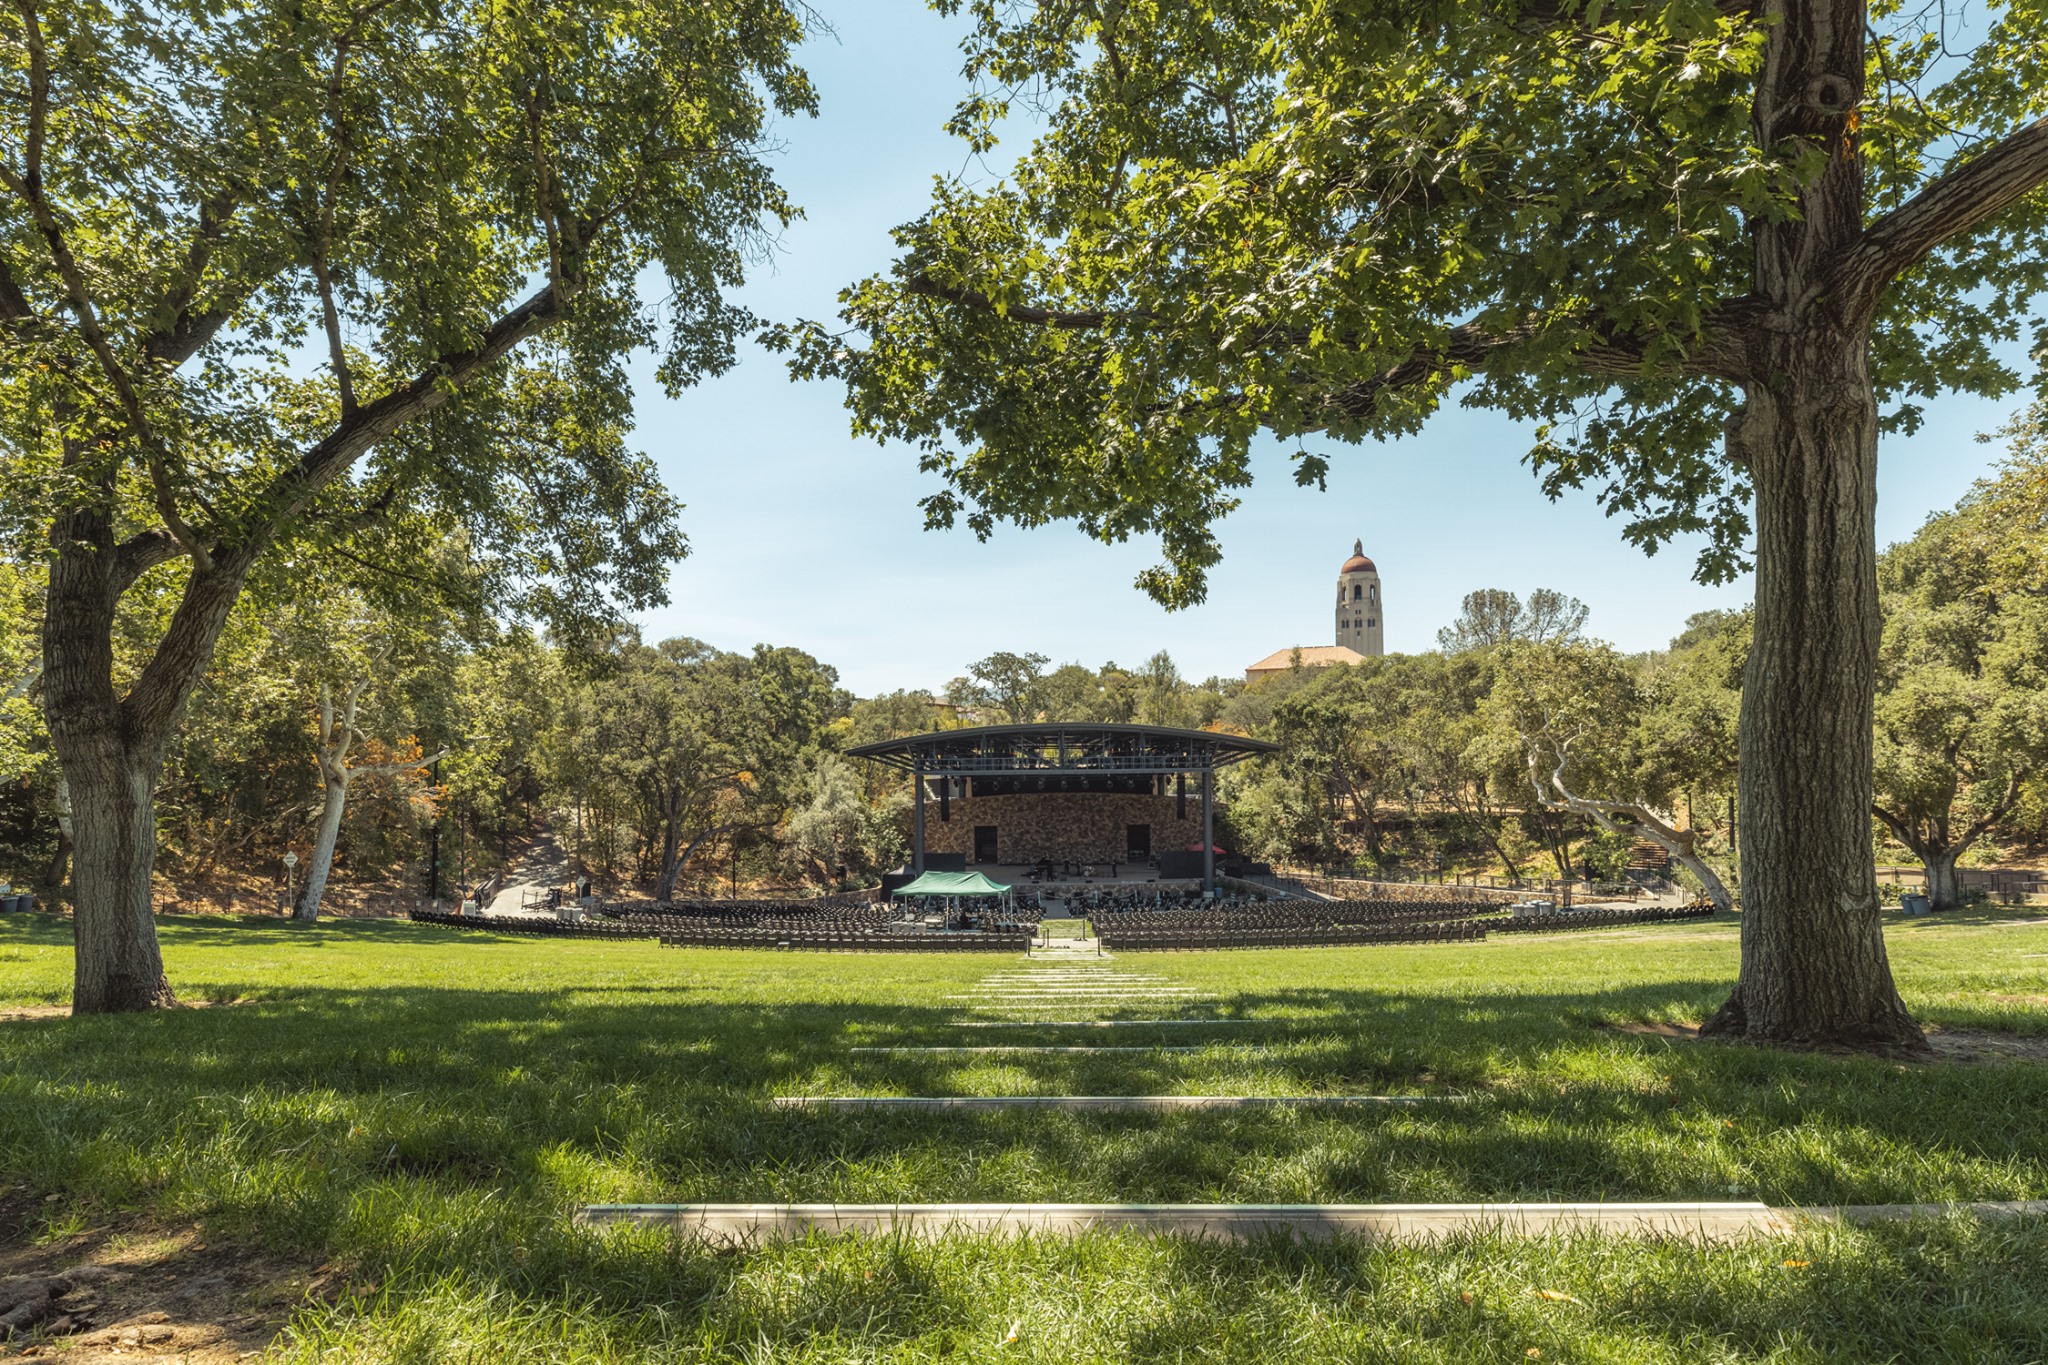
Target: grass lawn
point(417, 1110)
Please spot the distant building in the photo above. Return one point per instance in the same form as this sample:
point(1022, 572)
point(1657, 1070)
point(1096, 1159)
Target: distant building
point(1359, 618)
point(1307, 656)
point(1361, 624)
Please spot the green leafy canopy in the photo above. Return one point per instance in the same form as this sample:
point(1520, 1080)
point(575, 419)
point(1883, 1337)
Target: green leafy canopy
point(349, 278)
point(1325, 218)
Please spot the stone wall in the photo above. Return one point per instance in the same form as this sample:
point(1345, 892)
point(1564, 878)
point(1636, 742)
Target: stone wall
point(1085, 827)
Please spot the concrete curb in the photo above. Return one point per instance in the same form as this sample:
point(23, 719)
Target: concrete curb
point(1103, 1103)
point(753, 1224)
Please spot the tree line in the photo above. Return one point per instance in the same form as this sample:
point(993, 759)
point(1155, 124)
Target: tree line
point(363, 732)
point(284, 289)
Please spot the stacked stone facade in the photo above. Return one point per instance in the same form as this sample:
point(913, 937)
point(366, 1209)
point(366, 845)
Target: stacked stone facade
point(1078, 826)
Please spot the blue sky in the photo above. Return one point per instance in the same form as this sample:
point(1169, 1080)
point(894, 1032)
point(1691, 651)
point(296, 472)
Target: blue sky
point(803, 536)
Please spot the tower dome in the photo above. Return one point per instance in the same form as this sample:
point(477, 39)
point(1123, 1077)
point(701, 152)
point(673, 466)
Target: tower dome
point(1360, 614)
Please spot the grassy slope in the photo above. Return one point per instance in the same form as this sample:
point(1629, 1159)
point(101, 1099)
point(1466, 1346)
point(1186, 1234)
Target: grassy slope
point(429, 1105)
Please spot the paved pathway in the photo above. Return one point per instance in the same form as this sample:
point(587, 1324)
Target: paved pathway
point(541, 864)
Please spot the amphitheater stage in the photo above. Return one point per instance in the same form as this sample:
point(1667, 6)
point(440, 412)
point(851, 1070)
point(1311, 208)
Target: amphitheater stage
point(1114, 798)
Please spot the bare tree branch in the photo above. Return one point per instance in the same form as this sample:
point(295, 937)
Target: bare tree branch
point(188, 641)
point(1972, 193)
point(138, 555)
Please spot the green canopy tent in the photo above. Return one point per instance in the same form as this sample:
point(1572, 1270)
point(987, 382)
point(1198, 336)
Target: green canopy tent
point(952, 884)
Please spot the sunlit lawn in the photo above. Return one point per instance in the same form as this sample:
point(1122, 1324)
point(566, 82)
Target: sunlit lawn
point(429, 1106)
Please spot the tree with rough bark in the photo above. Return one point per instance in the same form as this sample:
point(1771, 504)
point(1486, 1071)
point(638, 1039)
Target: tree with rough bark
point(1708, 249)
point(1571, 710)
point(1962, 696)
point(456, 206)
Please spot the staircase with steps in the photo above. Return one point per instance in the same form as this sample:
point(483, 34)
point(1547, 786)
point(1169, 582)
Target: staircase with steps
point(1072, 985)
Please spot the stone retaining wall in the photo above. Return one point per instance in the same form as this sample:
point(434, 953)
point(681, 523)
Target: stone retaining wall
point(1087, 827)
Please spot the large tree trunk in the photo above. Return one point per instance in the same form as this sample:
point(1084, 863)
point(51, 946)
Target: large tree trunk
point(113, 808)
point(1814, 970)
point(1943, 892)
point(112, 747)
point(317, 868)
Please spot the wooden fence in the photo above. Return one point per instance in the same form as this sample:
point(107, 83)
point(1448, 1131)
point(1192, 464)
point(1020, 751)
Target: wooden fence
point(2012, 884)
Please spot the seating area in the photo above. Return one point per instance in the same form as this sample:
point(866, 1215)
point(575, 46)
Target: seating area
point(833, 911)
point(851, 924)
point(1127, 935)
point(1300, 924)
point(843, 940)
point(1247, 913)
point(531, 926)
point(1598, 919)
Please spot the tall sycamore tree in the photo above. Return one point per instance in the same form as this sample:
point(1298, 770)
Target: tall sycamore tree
point(1709, 248)
point(285, 281)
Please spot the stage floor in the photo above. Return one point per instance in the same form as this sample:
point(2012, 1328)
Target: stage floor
point(1067, 876)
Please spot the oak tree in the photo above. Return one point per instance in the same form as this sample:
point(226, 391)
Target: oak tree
point(1709, 249)
point(288, 280)
point(1962, 698)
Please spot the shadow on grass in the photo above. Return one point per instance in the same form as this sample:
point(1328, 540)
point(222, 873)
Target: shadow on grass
point(646, 1092)
point(444, 1130)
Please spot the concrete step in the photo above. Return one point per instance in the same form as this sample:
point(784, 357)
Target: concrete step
point(1100, 1023)
point(751, 1224)
point(1031, 1048)
point(1113, 1104)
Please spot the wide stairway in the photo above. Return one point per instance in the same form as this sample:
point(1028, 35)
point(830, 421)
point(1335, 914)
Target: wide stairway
point(1026, 1036)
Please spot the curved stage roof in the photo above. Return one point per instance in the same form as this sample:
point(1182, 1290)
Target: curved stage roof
point(1064, 749)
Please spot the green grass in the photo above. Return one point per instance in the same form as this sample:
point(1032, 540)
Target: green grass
point(426, 1106)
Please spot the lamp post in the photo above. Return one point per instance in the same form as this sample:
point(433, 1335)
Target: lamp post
point(291, 860)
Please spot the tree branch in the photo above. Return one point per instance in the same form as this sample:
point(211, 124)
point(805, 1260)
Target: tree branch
point(1907, 835)
point(138, 555)
point(1720, 355)
point(1979, 189)
point(14, 305)
point(923, 286)
point(188, 641)
point(1977, 828)
point(428, 391)
point(38, 95)
point(330, 316)
point(27, 186)
point(185, 333)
